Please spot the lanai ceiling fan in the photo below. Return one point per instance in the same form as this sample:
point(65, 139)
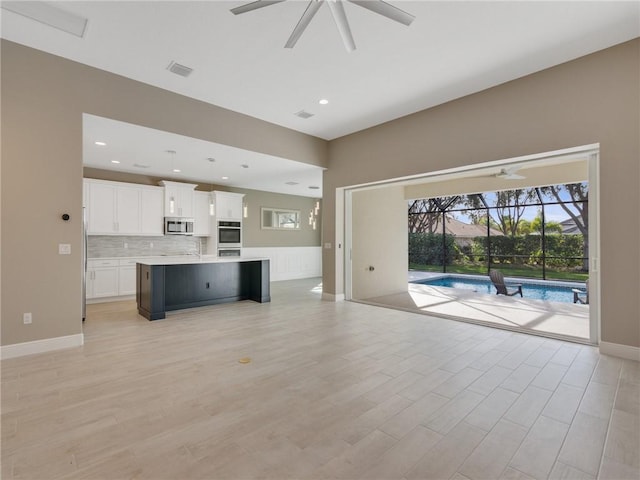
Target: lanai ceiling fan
point(510, 173)
point(338, 13)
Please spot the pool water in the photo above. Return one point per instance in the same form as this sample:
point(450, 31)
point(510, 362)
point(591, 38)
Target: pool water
point(551, 293)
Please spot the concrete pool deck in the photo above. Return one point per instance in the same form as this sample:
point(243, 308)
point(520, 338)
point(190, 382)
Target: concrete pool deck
point(538, 316)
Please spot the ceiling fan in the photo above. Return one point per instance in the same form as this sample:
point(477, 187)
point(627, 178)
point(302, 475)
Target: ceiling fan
point(338, 13)
point(509, 173)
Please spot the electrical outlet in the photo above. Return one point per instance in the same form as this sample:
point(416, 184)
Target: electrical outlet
point(64, 249)
point(150, 244)
point(27, 318)
point(126, 245)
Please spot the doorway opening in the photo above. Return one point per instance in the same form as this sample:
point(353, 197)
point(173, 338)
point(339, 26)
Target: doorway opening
point(383, 266)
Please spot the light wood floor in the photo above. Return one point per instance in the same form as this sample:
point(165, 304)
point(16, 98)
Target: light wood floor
point(333, 390)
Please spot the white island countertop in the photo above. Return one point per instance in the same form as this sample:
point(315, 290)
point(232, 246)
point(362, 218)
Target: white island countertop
point(195, 259)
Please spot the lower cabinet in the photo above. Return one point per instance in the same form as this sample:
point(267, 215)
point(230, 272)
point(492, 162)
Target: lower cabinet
point(102, 278)
point(127, 277)
point(177, 286)
point(111, 278)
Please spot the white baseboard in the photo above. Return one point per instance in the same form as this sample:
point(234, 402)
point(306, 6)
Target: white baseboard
point(41, 346)
point(619, 350)
point(91, 301)
point(339, 297)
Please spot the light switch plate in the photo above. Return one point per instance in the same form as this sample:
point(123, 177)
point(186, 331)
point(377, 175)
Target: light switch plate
point(64, 249)
point(327, 245)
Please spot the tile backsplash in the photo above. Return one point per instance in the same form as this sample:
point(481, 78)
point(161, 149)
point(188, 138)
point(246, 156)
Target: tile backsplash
point(101, 246)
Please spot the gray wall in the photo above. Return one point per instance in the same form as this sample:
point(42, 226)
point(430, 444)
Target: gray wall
point(594, 99)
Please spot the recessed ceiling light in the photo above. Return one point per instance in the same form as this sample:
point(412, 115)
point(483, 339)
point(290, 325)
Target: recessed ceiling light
point(225, 178)
point(291, 183)
point(313, 187)
point(101, 144)
point(176, 170)
point(324, 101)
point(244, 165)
point(211, 159)
point(115, 161)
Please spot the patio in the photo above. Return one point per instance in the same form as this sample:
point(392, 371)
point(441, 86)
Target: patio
point(554, 319)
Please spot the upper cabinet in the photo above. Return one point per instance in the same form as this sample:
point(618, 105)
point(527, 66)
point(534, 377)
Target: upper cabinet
point(178, 199)
point(228, 205)
point(114, 208)
point(202, 213)
point(152, 210)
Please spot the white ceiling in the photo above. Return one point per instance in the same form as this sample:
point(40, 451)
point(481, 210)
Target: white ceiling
point(137, 147)
point(453, 48)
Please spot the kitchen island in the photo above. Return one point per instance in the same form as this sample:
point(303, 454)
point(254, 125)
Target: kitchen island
point(165, 284)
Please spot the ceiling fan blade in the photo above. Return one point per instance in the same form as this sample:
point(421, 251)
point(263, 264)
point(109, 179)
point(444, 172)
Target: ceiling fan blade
point(510, 174)
point(340, 17)
point(303, 23)
point(248, 7)
point(386, 10)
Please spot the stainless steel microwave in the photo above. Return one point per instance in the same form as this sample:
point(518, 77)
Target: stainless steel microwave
point(178, 226)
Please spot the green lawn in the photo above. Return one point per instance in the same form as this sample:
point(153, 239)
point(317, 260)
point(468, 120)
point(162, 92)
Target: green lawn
point(523, 271)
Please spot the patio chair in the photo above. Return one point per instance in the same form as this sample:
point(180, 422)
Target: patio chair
point(581, 295)
point(501, 288)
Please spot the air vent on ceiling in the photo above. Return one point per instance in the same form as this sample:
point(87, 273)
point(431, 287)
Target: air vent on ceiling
point(138, 165)
point(303, 114)
point(291, 183)
point(179, 69)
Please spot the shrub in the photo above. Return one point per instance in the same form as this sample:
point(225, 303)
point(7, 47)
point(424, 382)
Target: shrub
point(428, 249)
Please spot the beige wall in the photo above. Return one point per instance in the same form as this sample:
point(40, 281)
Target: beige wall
point(43, 98)
point(254, 236)
point(589, 100)
point(572, 172)
point(379, 240)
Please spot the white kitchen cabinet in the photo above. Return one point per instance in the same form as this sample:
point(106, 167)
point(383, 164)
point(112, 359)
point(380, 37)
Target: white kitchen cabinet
point(115, 208)
point(228, 206)
point(102, 278)
point(152, 210)
point(201, 217)
point(101, 208)
point(128, 214)
point(127, 277)
point(178, 199)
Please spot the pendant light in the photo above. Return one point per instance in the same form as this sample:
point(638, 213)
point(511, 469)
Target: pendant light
point(212, 206)
point(172, 200)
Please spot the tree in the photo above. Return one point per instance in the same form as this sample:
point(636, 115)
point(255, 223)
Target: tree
point(549, 226)
point(509, 208)
point(525, 227)
point(577, 209)
point(426, 215)
point(423, 216)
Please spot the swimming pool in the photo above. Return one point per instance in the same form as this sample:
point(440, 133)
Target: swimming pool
point(549, 292)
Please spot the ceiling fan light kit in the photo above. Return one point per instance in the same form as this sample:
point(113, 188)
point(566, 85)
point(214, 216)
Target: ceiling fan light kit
point(338, 13)
point(510, 173)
